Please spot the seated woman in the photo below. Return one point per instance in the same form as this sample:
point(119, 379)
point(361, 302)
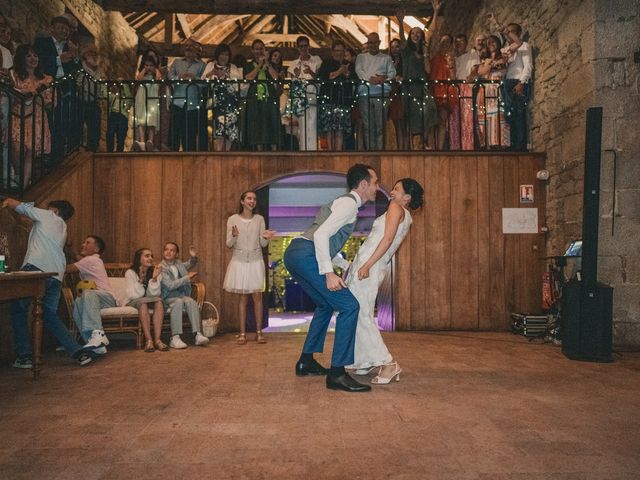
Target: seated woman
point(176, 294)
point(143, 292)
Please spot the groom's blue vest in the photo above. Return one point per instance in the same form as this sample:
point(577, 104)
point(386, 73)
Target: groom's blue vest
point(337, 241)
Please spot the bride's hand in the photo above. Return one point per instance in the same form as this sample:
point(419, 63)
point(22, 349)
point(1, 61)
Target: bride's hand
point(363, 272)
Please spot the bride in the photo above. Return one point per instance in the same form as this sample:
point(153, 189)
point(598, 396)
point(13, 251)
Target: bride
point(369, 268)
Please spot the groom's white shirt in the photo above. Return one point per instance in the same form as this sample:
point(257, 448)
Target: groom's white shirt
point(343, 212)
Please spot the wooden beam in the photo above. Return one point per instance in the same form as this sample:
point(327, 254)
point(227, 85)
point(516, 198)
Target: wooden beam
point(168, 29)
point(343, 23)
point(184, 24)
point(177, 50)
point(214, 22)
point(149, 25)
point(278, 7)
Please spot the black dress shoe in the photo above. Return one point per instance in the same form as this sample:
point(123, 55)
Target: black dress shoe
point(346, 383)
point(310, 368)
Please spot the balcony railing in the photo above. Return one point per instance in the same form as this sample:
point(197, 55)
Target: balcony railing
point(221, 115)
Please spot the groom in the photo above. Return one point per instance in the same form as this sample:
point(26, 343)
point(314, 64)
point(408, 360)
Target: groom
point(309, 260)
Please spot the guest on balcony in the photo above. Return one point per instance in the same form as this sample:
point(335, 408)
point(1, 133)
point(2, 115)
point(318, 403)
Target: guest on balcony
point(303, 96)
point(419, 105)
point(336, 97)
point(187, 102)
point(226, 109)
point(30, 132)
point(263, 112)
point(147, 104)
point(375, 68)
point(59, 57)
point(516, 88)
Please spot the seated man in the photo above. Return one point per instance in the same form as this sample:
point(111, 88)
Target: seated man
point(86, 309)
point(44, 254)
point(176, 293)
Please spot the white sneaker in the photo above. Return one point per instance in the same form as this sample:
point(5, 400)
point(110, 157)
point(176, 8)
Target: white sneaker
point(201, 340)
point(100, 351)
point(176, 342)
point(98, 339)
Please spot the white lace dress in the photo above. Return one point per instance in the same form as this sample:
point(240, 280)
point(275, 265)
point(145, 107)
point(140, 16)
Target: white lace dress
point(370, 349)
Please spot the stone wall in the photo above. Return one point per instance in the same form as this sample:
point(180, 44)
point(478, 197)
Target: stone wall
point(115, 39)
point(583, 57)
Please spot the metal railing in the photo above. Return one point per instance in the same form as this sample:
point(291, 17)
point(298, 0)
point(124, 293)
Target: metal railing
point(222, 115)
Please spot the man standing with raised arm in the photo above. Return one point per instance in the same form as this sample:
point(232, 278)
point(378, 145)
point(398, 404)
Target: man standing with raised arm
point(45, 253)
point(309, 260)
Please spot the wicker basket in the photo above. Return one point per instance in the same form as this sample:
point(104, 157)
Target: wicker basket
point(210, 319)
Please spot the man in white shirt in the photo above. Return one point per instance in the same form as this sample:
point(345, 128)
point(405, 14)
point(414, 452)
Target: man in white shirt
point(373, 98)
point(305, 67)
point(45, 253)
point(467, 60)
point(86, 308)
point(516, 89)
point(310, 259)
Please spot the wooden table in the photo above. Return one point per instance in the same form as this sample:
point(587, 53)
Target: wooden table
point(17, 285)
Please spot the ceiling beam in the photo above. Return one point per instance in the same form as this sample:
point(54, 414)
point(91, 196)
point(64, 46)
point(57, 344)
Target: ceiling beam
point(184, 24)
point(168, 29)
point(177, 50)
point(286, 7)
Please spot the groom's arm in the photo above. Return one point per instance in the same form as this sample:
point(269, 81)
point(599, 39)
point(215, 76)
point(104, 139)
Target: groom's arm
point(343, 212)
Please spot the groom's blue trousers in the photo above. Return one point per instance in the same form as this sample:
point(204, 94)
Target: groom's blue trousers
point(300, 260)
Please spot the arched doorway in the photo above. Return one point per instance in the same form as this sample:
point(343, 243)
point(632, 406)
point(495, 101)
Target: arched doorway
point(289, 205)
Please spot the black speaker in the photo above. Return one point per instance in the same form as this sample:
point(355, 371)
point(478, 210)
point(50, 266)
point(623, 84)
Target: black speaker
point(587, 306)
point(296, 299)
point(586, 322)
point(591, 197)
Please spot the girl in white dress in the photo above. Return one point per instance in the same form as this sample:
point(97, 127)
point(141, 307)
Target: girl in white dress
point(367, 272)
point(247, 235)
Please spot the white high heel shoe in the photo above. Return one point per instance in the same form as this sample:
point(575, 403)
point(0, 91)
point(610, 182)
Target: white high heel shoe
point(384, 380)
point(365, 371)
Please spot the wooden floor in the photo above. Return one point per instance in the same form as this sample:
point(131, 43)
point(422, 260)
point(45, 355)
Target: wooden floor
point(468, 406)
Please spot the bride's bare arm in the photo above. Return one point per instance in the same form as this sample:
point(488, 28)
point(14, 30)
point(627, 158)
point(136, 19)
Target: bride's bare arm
point(395, 215)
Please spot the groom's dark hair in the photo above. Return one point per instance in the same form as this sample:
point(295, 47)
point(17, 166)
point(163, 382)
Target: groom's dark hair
point(357, 173)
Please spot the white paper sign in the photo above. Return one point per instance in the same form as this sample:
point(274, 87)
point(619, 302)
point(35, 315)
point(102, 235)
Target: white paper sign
point(519, 220)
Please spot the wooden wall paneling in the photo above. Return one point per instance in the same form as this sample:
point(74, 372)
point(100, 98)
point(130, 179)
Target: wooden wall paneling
point(498, 317)
point(202, 212)
point(417, 238)
point(172, 202)
point(271, 169)
point(146, 201)
point(188, 179)
point(77, 189)
point(511, 241)
point(464, 243)
point(484, 244)
point(403, 263)
point(131, 198)
point(215, 238)
point(531, 245)
point(385, 172)
point(112, 206)
point(438, 248)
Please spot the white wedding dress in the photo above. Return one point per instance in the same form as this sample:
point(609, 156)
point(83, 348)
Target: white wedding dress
point(370, 350)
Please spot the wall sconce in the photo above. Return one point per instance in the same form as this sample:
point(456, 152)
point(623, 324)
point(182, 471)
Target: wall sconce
point(542, 175)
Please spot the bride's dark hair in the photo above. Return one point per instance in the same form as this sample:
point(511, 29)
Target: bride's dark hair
point(413, 188)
